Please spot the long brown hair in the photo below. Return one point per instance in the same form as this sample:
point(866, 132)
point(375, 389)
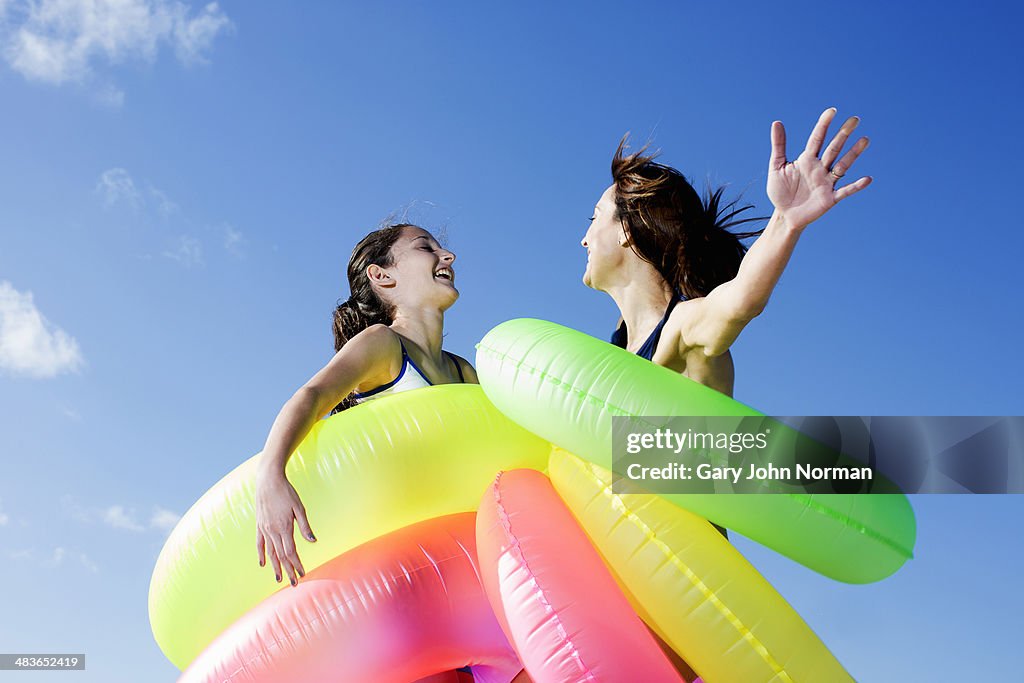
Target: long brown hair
point(685, 237)
point(364, 307)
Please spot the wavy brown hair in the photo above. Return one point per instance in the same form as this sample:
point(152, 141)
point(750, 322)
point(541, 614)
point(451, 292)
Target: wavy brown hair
point(687, 238)
point(364, 307)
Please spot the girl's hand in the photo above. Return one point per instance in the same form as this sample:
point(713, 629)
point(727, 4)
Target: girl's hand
point(277, 508)
point(805, 189)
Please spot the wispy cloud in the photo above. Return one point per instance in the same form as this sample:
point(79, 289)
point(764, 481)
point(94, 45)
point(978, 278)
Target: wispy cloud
point(64, 41)
point(234, 241)
point(115, 516)
point(30, 344)
point(163, 519)
point(121, 517)
point(70, 413)
point(164, 206)
point(60, 556)
point(4, 519)
point(56, 557)
point(188, 251)
point(116, 186)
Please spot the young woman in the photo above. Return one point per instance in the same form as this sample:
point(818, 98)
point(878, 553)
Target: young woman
point(387, 336)
point(681, 281)
point(684, 284)
point(387, 339)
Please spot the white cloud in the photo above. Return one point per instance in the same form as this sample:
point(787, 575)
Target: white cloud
point(109, 96)
point(164, 520)
point(116, 185)
point(21, 554)
point(56, 558)
point(70, 413)
point(60, 41)
point(116, 517)
point(4, 519)
point(163, 203)
point(29, 343)
point(188, 252)
point(88, 563)
point(234, 241)
point(193, 37)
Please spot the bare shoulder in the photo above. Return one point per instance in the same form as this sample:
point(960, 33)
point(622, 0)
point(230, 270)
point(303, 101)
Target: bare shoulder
point(376, 334)
point(677, 350)
point(371, 357)
point(682, 320)
point(468, 371)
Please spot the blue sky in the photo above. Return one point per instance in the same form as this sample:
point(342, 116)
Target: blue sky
point(181, 185)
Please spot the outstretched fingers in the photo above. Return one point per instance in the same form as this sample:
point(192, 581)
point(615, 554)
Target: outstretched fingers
point(817, 137)
point(778, 158)
point(842, 166)
point(853, 188)
point(836, 146)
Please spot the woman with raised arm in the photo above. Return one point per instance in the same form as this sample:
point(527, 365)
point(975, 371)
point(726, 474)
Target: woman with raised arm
point(685, 285)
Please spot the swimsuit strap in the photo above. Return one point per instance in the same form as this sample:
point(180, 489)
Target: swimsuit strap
point(457, 366)
point(648, 348)
point(406, 358)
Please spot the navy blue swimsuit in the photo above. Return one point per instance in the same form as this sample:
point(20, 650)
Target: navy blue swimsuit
point(650, 346)
point(646, 351)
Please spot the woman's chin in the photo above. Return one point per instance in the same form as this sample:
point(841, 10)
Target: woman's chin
point(587, 279)
point(450, 296)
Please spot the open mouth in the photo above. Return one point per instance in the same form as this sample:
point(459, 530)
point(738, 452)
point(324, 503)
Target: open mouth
point(445, 274)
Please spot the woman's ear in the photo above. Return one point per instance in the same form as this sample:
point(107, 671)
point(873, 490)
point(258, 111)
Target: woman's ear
point(378, 276)
point(624, 238)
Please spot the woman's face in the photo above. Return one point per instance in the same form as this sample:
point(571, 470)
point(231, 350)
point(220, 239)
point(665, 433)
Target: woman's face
point(605, 241)
point(421, 272)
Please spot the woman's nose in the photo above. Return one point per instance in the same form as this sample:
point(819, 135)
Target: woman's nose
point(448, 256)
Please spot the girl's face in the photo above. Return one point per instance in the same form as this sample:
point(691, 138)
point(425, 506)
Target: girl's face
point(605, 243)
point(421, 273)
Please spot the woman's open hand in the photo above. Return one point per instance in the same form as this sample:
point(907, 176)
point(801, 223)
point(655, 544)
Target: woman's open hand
point(277, 509)
point(806, 188)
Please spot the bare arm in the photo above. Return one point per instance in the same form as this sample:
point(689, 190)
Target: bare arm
point(367, 356)
point(802, 191)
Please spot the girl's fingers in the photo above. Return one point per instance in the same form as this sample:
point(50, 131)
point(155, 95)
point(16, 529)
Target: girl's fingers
point(275, 560)
point(292, 565)
point(300, 517)
point(853, 188)
point(778, 158)
point(836, 146)
point(842, 166)
point(817, 137)
point(279, 548)
point(261, 547)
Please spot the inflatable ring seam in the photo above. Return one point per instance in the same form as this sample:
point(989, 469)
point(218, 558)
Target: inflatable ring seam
point(813, 504)
point(507, 526)
point(808, 501)
point(672, 558)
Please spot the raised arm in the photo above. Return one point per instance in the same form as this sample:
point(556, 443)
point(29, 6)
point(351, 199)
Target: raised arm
point(368, 356)
point(801, 191)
